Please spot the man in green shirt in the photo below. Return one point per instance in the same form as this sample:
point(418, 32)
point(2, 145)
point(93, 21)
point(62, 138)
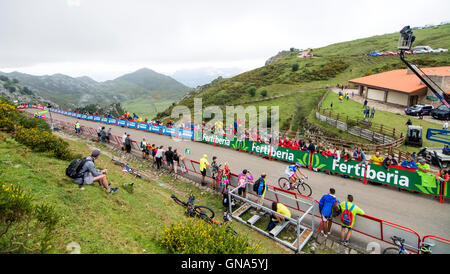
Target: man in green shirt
point(422, 166)
point(355, 210)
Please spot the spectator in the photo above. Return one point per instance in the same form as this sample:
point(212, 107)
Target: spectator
point(389, 161)
point(99, 133)
point(275, 218)
point(372, 114)
point(203, 165)
point(158, 157)
point(422, 166)
point(409, 163)
point(261, 188)
point(311, 147)
point(108, 135)
point(326, 205)
point(154, 149)
point(409, 122)
point(358, 155)
point(376, 159)
point(336, 154)
point(91, 175)
point(77, 128)
point(144, 148)
point(445, 125)
point(348, 216)
point(169, 158)
point(123, 141)
point(103, 135)
point(243, 179)
point(365, 104)
point(442, 178)
point(225, 176)
point(128, 144)
point(215, 172)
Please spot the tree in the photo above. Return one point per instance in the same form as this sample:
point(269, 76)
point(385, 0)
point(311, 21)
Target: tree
point(294, 67)
point(15, 81)
point(252, 91)
point(264, 93)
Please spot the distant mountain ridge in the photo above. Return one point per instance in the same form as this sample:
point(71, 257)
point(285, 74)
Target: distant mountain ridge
point(78, 91)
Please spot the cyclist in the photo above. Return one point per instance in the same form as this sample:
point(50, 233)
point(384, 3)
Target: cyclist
point(294, 173)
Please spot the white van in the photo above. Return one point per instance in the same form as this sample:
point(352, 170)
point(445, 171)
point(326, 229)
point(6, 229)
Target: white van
point(422, 49)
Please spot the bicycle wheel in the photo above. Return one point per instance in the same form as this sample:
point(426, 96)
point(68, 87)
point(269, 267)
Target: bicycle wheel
point(204, 212)
point(391, 250)
point(304, 189)
point(283, 183)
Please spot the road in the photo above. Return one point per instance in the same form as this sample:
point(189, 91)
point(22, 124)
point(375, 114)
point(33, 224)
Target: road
point(419, 212)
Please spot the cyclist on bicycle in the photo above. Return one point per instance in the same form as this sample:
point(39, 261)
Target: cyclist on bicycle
point(294, 173)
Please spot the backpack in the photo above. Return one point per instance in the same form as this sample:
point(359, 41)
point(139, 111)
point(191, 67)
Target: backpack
point(256, 185)
point(73, 170)
point(336, 209)
point(347, 215)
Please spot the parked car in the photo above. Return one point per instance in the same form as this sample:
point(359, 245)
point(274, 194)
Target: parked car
point(422, 49)
point(420, 109)
point(441, 113)
point(440, 50)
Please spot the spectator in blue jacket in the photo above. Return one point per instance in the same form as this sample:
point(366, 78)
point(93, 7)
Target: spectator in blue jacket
point(261, 188)
point(409, 163)
point(326, 205)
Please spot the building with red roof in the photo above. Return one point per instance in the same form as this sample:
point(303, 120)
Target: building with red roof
point(402, 87)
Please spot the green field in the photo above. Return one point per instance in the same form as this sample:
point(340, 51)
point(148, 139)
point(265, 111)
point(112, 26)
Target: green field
point(101, 223)
point(147, 108)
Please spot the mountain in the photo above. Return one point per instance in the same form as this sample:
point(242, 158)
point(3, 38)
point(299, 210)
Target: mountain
point(80, 91)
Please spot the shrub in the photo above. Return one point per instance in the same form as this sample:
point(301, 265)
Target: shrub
point(252, 91)
point(264, 93)
point(294, 67)
point(24, 227)
point(199, 237)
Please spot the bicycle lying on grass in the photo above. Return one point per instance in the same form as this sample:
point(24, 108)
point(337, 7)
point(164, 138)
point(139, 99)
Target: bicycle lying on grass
point(203, 212)
point(302, 187)
point(400, 247)
point(128, 169)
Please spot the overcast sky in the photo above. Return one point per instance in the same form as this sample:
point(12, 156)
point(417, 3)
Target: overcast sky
point(106, 38)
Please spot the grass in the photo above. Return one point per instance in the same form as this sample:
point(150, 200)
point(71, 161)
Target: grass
point(146, 107)
point(102, 223)
point(354, 109)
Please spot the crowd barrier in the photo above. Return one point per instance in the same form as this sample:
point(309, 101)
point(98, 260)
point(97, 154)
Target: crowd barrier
point(396, 176)
point(366, 225)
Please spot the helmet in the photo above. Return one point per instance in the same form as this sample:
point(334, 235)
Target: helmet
point(298, 164)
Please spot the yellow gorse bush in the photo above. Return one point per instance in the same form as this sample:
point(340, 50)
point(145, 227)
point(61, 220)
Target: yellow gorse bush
point(199, 237)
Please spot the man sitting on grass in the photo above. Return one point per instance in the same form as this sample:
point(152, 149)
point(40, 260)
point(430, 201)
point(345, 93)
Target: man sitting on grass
point(91, 175)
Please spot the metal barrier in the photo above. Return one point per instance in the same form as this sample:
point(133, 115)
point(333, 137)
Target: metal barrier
point(440, 245)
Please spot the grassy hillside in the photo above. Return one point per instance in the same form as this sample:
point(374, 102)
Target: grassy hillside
point(101, 223)
point(334, 64)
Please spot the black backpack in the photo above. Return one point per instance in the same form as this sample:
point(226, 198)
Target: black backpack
point(73, 170)
point(256, 185)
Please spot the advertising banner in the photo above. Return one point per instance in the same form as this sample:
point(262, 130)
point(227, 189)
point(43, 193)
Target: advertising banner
point(97, 118)
point(90, 117)
point(141, 126)
point(84, 116)
point(122, 123)
point(112, 121)
point(185, 133)
point(104, 120)
point(131, 124)
point(154, 128)
point(79, 115)
point(169, 131)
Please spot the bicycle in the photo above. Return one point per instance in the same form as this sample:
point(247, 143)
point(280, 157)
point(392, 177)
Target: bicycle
point(203, 212)
point(130, 170)
point(302, 187)
point(400, 247)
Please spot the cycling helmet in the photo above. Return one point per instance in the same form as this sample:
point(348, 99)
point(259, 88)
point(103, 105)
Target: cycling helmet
point(298, 164)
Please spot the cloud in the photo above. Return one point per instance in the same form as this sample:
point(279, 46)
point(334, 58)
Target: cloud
point(73, 3)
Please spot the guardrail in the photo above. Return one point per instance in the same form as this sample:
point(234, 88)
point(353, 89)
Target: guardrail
point(367, 225)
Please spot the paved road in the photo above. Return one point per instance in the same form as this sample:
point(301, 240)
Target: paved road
point(421, 213)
